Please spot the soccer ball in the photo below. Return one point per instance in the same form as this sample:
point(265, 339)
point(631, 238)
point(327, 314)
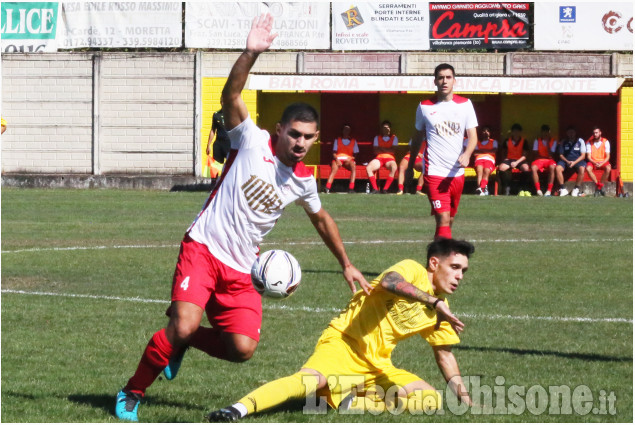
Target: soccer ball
point(276, 274)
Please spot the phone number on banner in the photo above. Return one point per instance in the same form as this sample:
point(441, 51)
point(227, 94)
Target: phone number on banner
point(122, 42)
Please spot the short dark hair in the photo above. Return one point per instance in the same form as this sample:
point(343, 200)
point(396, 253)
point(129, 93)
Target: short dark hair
point(517, 126)
point(442, 67)
point(444, 247)
point(571, 127)
point(596, 127)
point(545, 127)
point(486, 126)
point(300, 111)
point(384, 122)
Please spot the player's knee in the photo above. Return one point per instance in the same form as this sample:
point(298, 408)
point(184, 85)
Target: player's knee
point(241, 350)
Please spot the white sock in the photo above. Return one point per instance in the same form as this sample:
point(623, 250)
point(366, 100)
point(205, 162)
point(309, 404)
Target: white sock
point(241, 409)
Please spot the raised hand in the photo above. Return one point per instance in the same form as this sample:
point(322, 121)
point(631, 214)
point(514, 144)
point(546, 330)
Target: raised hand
point(260, 36)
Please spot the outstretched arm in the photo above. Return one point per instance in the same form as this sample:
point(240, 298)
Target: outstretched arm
point(450, 369)
point(330, 234)
point(258, 40)
point(395, 283)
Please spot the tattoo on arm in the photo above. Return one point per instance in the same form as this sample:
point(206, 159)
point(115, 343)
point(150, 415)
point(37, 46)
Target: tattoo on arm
point(395, 283)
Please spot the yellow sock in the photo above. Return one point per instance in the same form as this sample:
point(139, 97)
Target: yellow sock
point(279, 391)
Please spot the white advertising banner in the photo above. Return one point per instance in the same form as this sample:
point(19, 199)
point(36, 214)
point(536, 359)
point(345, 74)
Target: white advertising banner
point(29, 27)
point(120, 24)
point(583, 26)
point(225, 25)
point(381, 26)
point(413, 83)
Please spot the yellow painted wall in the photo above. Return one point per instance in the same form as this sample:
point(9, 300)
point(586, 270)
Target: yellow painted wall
point(531, 112)
point(626, 133)
point(211, 89)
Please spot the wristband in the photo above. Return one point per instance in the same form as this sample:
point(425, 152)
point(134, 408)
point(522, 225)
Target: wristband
point(434, 304)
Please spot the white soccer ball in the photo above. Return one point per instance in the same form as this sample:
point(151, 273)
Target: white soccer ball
point(276, 274)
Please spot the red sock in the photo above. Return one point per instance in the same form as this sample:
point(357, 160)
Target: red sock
point(155, 358)
point(328, 185)
point(388, 183)
point(373, 182)
point(549, 187)
point(483, 184)
point(351, 185)
point(443, 232)
point(537, 186)
point(419, 188)
point(600, 186)
point(209, 341)
point(400, 186)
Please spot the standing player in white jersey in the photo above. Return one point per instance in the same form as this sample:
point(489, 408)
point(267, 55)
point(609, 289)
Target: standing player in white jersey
point(443, 121)
point(213, 270)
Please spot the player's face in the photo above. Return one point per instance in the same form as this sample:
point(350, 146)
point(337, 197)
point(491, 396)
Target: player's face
point(346, 132)
point(385, 130)
point(447, 272)
point(571, 134)
point(294, 141)
point(597, 134)
point(444, 81)
point(485, 134)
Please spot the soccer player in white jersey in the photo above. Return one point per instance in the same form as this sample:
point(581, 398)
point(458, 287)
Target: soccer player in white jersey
point(213, 270)
point(443, 121)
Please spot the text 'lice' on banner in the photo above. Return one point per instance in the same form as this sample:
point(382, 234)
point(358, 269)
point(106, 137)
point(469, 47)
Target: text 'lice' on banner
point(29, 27)
point(479, 26)
point(225, 25)
point(380, 26)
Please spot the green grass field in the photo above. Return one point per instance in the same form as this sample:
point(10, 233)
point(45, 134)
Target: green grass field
point(548, 301)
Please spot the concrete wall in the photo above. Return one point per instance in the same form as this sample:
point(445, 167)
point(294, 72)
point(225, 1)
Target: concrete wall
point(98, 113)
point(142, 113)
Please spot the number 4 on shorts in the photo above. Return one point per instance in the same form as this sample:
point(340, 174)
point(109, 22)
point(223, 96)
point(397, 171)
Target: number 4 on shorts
point(185, 283)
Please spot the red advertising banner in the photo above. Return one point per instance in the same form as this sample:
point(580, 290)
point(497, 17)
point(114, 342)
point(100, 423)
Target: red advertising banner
point(503, 26)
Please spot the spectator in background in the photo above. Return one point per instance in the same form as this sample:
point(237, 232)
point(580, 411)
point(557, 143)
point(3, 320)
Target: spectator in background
point(344, 150)
point(218, 144)
point(403, 166)
point(4, 125)
point(598, 153)
point(384, 147)
point(514, 152)
point(544, 150)
point(484, 159)
point(571, 154)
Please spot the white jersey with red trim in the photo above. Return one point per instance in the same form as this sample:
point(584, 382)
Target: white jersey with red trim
point(245, 204)
point(445, 124)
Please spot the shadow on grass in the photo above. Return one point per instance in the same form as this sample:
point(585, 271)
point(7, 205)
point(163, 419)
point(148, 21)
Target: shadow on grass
point(106, 402)
point(526, 352)
point(366, 274)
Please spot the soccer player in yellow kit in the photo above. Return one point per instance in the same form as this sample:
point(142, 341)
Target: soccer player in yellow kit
point(354, 351)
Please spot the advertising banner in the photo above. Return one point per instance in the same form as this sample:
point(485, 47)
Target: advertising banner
point(584, 26)
point(29, 27)
point(365, 83)
point(380, 26)
point(502, 26)
point(225, 25)
point(125, 24)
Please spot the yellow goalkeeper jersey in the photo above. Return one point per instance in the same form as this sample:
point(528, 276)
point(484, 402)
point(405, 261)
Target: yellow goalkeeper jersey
point(377, 322)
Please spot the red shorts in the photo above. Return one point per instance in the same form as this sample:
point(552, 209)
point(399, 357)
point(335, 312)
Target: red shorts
point(343, 158)
point(590, 164)
point(543, 163)
point(485, 163)
point(227, 295)
point(444, 193)
point(384, 159)
point(418, 160)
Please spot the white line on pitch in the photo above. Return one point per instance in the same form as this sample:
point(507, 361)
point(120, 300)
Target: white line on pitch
point(332, 310)
point(283, 243)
